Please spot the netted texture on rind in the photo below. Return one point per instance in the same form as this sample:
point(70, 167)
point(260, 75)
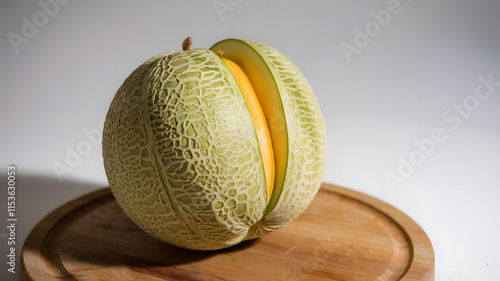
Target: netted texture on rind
point(181, 153)
point(306, 141)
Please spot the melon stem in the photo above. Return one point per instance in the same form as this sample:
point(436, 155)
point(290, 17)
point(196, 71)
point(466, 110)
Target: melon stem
point(186, 44)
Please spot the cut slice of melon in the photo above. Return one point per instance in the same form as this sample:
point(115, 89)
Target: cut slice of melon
point(259, 121)
point(266, 89)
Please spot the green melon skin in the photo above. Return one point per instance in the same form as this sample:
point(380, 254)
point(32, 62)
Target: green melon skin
point(182, 156)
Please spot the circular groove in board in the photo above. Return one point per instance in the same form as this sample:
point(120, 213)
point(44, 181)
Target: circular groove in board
point(343, 235)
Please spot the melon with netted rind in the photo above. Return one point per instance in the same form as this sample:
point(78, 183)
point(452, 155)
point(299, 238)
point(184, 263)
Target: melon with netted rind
point(181, 150)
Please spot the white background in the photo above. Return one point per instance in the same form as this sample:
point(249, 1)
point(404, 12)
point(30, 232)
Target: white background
point(407, 79)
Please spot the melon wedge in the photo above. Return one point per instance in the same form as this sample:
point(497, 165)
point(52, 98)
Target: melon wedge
point(292, 112)
point(264, 83)
point(259, 120)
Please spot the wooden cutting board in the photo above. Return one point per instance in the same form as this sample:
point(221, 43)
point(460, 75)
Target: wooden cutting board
point(343, 235)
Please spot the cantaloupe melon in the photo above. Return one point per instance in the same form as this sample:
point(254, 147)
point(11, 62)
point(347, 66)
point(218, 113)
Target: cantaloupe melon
point(206, 148)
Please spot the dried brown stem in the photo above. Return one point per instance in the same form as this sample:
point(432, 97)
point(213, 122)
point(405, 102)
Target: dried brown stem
point(186, 44)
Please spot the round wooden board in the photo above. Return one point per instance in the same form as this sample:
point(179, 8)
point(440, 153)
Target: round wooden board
point(343, 235)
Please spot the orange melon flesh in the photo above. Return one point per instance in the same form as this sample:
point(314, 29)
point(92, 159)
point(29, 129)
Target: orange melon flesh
point(268, 93)
point(259, 121)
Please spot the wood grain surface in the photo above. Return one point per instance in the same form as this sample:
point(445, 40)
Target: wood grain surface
point(343, 235)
